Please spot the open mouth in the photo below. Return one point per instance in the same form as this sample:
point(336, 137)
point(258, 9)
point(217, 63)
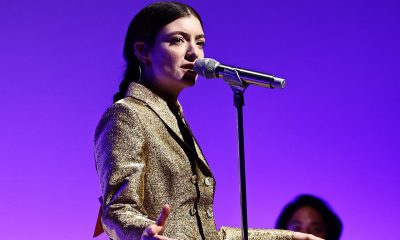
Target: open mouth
point(190, 76)
point(190, 72)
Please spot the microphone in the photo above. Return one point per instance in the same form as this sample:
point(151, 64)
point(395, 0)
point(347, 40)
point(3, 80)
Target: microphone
point(210, 68)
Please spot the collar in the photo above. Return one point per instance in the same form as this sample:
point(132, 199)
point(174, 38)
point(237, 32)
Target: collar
point(160, 107)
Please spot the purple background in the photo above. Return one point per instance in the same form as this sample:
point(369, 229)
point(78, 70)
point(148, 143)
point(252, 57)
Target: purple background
point(332, 132)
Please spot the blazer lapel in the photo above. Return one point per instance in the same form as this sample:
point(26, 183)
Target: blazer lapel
point(161, 109)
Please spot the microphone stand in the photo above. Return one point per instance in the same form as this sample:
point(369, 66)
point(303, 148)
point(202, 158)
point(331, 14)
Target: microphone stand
point(238, 86)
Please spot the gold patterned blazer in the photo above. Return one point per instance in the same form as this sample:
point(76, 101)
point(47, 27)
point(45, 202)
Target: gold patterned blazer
point(142, 165)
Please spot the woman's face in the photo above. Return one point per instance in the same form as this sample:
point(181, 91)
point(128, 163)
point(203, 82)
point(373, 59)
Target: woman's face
point(307, 220)
point(171, 59)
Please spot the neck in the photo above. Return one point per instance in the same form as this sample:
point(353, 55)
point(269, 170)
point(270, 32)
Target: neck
point(169, 97)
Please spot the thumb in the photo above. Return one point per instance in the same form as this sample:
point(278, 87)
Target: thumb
point(162, 219)
point(304, 236)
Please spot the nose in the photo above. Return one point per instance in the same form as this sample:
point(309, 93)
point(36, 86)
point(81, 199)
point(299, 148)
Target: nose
point(193, 52)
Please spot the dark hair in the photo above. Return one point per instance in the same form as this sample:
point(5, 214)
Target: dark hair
point(145, 27)
point(331, 220)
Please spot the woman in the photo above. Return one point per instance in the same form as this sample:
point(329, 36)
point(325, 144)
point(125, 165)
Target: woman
point(146, 155)
point(310, 214)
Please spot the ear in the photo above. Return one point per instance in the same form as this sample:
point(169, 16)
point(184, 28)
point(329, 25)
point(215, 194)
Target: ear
point(142, 52)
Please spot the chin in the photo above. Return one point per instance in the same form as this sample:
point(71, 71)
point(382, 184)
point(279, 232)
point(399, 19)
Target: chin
point(189, 79)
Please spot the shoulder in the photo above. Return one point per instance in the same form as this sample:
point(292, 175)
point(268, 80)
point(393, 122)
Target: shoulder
point(123, 114)
point(125, 107)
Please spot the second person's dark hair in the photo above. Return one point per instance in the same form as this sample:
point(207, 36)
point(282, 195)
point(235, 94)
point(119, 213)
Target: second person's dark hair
point(331, 220)
point(145, 27)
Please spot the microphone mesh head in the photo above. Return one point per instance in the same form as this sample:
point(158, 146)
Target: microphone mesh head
point(206, 67)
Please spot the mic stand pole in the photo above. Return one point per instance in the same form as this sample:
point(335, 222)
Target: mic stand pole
point(238, 86)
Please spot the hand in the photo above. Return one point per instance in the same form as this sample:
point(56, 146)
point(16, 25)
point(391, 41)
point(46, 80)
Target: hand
point(304, 236)
point(155, 231)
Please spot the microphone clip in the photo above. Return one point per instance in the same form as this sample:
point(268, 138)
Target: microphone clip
point(231, 76)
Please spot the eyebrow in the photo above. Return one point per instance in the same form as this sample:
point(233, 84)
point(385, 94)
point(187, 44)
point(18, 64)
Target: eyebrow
point(294, 222)
point(312, 223)
point(185, 34)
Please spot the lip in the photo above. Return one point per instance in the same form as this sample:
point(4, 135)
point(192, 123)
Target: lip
point(190, 72)
point(188, 66)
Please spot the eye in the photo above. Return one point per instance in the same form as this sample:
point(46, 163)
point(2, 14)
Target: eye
point(201, 44)
point(177, 40)
point(317, 230)
point(294, 227)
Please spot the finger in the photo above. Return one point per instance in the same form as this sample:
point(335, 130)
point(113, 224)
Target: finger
point(164, 238)
point(316, 238)
point(304, 236)
point(156, 237)
point(162, 219)
point(312, 237)
point(152, 230)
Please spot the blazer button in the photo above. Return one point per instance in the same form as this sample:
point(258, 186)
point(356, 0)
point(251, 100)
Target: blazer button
point(209, 213)
point(193, 179)
point(193, 211)
point(208, 181)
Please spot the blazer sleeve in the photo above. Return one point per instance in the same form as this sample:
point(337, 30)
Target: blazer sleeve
point(120, 163)
point(228, 233)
